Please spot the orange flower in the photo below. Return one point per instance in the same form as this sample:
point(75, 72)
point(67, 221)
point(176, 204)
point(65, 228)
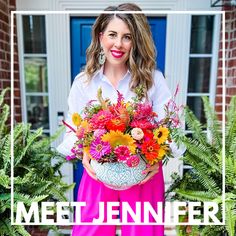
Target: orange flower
point(150, 149)
point(116, 124)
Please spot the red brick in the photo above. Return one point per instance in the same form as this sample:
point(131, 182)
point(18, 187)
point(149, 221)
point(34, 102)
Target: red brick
point(231, 63)
point(219, 90)
point(220, 73)
point(219, 81)
point(16, 74)
point(17, 93)
point(16, 66)
point(4, 17)
point(233, 44)
point(13, 3)
point(227, 99)
point(3, 7)
point(6, 83)
point(17, 101)
point(220, 63)
point(18, 118)
point(219, 116)
point(231, 91)
point(17, 84)
point(218, 99)
point(218, 108)
point(226, 35)
point(234, 52)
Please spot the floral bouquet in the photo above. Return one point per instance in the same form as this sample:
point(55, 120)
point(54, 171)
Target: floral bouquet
point(122, 138)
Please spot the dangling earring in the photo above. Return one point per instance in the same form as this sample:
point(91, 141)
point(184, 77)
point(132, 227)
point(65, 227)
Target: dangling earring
point(101, 57)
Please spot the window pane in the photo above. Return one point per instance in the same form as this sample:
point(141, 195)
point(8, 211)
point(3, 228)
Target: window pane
point(37, 111)
point(199, 75)
point(201, 34)
point(34, 34)
point(196, 105)
point(36, 75)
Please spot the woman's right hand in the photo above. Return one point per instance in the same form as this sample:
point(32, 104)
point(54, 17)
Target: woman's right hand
point(87, 166)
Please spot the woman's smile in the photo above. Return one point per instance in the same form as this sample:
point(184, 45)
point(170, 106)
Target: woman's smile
point(117, 54)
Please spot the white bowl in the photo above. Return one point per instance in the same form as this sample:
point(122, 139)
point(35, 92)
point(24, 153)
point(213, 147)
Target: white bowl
point(118, 175)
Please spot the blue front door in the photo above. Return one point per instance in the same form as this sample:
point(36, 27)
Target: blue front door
point(80, 40)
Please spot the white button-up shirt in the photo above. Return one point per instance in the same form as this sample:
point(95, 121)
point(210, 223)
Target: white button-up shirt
point(82, 92)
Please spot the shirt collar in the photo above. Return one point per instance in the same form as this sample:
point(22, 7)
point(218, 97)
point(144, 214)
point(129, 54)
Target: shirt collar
point(99, 74)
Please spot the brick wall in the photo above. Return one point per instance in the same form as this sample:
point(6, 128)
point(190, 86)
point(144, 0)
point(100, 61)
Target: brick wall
point(6, 6)
point(230, 61)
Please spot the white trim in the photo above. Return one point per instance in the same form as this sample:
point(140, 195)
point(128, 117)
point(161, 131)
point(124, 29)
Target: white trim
point(195, 55)
point(36, 94)
point(97, 12)
point(198, 94)
point(44, 55)
point(20, 43)
point(215, 55)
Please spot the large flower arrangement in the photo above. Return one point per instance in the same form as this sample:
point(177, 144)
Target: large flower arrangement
point(123, 132)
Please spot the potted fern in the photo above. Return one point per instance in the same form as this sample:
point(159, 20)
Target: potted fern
point(203, 182)
point(35, 178)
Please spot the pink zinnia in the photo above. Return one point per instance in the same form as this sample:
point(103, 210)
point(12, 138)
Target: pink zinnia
point(98, 148)
point(133, 161)
point(99, 120)
point(122, 152)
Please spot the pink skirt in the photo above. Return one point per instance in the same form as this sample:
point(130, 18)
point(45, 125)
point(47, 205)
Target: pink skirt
point(92, 192)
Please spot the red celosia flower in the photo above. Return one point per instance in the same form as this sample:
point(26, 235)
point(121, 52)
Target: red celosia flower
point(144, 111)
point(116, 124)
point(150, 150)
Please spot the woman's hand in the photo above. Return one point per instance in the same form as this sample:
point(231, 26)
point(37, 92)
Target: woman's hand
point(87, 166)
point(151, 170)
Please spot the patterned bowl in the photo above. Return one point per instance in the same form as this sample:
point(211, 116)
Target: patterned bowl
point(118, 175)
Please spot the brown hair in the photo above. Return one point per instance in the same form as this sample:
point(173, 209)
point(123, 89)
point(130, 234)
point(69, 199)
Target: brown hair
point(141, 62)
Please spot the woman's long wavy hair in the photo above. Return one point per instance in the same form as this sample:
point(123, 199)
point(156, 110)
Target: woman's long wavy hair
point(141, 62)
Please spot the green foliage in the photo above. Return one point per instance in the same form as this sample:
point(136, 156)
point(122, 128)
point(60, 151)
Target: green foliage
point(204, 153)
point(35, 179)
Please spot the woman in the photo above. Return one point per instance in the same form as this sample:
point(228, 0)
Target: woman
point(120, 57)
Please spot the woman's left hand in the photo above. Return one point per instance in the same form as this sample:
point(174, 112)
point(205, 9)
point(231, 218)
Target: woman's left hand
point(151, 170)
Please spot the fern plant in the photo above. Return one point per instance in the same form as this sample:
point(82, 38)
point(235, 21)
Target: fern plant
point(35, 179)
point(203, 182)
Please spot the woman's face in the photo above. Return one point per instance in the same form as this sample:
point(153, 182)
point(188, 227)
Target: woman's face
point(116, 42)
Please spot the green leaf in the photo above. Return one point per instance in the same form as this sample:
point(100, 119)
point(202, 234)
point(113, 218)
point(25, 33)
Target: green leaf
point(201, 196)
point(4, 179)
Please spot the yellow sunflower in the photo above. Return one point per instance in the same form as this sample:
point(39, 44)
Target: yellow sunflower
point(76, 118)
point(161, 134)
point(117, 138)
point(162, 151)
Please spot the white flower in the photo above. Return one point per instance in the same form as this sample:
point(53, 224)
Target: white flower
point(137, 133)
